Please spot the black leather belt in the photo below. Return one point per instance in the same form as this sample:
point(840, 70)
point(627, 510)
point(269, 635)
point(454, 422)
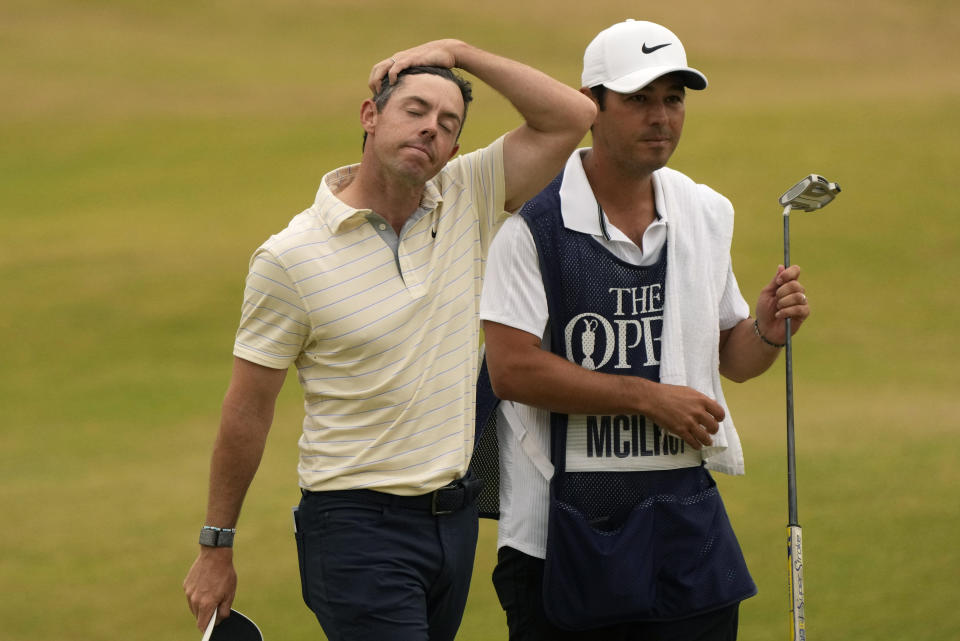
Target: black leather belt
point(445, 500)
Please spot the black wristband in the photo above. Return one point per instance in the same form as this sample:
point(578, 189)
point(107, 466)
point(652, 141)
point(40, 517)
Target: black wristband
point(756, 329)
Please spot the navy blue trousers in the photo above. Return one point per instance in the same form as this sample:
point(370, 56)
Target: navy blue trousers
point(376, 570)
point(518, 579)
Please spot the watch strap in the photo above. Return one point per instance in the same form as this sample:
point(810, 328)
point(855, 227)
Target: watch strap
point(217, 537)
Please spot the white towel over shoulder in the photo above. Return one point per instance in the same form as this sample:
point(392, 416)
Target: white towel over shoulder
point(699, 235)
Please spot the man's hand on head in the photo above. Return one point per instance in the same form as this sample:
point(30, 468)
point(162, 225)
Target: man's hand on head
point(438, 53)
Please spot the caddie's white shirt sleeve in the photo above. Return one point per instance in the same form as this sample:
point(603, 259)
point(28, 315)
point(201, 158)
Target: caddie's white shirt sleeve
point(733, 307)
point(513, 293)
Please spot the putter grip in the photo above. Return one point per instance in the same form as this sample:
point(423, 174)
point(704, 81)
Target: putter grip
point(795, 556)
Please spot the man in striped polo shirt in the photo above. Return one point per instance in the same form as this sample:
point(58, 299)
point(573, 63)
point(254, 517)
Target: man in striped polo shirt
point(373, 293)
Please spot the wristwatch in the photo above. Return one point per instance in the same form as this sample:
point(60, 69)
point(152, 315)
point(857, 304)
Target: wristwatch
point(217, 537)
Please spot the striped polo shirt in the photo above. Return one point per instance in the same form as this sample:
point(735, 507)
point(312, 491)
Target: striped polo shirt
point(385, 340)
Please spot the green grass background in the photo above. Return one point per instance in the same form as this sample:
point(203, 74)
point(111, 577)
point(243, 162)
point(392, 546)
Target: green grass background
point(146, 148)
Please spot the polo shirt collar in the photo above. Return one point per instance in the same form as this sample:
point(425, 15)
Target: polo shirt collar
point(336, 212)
point(578, 205)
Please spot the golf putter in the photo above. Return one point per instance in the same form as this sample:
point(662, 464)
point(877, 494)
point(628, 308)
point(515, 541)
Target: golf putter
point(812, 193)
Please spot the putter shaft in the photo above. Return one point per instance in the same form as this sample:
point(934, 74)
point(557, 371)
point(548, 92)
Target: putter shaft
point(791, 456)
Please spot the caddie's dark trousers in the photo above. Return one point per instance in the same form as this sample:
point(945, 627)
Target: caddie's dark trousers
point(518, 579)
point(376, 566)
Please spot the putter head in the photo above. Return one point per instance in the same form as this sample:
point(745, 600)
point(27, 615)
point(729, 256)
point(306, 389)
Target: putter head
point(812, 192)
point(235, 627)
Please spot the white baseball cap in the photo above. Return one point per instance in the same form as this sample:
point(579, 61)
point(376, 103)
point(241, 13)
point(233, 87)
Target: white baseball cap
point(631, 54)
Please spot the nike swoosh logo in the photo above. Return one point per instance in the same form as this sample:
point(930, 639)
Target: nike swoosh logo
point(646, 49)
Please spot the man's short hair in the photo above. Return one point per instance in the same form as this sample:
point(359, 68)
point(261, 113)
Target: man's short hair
point(381, 98)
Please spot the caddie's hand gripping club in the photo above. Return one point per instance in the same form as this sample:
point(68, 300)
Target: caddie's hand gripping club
point(811, 193)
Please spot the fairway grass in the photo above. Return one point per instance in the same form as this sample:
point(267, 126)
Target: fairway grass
point(149, 148)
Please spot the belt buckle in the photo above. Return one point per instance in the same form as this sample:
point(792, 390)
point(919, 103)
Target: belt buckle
point(433, 502)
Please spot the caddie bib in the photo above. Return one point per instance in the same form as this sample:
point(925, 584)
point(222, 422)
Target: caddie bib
point(637, 530)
